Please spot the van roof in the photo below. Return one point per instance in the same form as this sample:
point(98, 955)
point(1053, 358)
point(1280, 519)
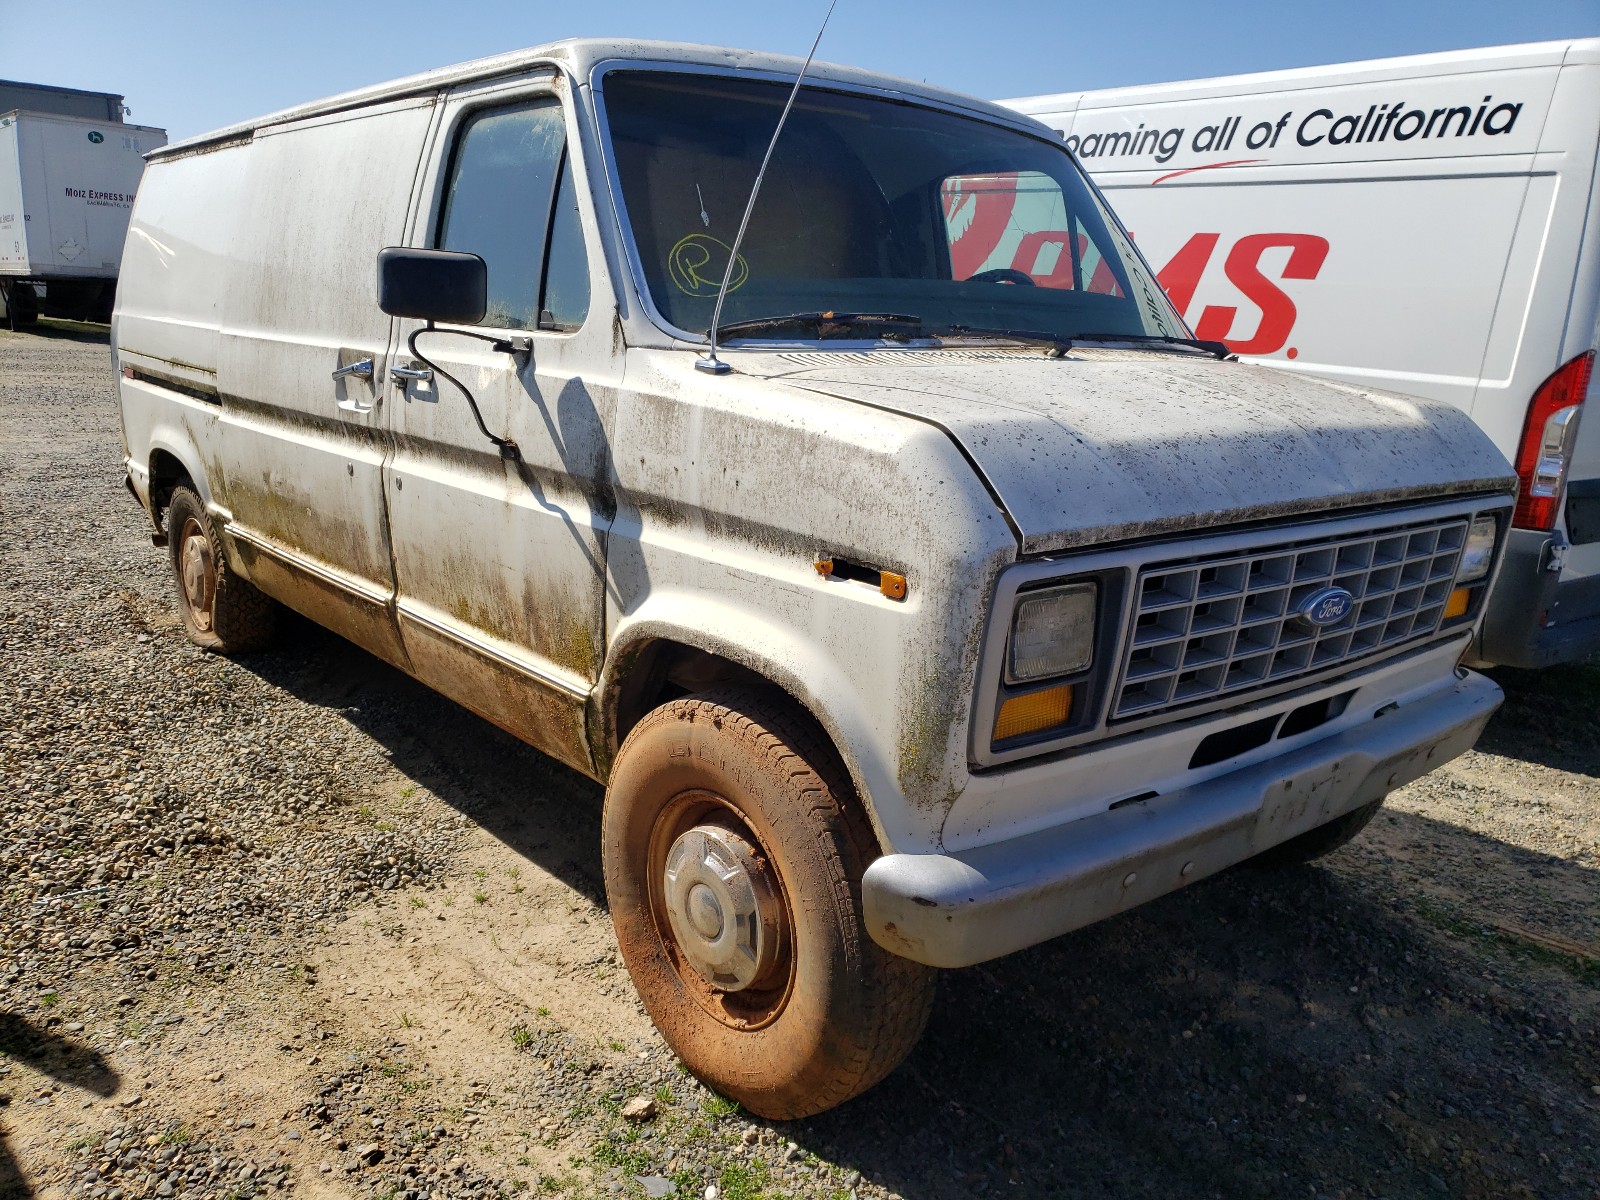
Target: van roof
point(578, 56)
point(1526, 54)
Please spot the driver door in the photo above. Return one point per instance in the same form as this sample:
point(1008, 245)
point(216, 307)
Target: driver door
point(499, 558)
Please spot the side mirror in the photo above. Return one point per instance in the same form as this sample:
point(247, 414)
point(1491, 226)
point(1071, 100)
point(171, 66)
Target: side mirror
point(433, 285)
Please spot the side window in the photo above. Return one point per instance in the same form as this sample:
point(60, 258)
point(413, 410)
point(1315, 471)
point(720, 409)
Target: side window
point(566, 285)
point(502, 205)
point(1018, 221)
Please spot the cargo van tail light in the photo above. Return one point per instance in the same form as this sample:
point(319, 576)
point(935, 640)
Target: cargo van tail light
point(1547, 441)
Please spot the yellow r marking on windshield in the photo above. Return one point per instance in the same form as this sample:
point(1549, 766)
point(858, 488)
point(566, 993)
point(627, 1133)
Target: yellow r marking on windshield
point(696, 265)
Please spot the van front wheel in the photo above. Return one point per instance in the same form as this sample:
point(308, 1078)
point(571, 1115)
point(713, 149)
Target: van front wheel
point(733, 856)
point(220, 611)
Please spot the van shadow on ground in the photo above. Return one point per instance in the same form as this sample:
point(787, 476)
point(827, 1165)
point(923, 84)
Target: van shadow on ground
point(70, 1063)
point(62, 331)
point(1261, 1034)
point(1551, 717)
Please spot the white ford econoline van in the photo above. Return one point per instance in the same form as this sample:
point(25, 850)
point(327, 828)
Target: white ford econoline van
point(955, 608)
point(1429, 224)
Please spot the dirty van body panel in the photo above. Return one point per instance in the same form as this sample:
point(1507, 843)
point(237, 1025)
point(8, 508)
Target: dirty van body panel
point(1281, 211)
point(301, 456)
point(167, 326)
point(500, 558)
point(1110, 445)
point(690, 558)
point(726, 497)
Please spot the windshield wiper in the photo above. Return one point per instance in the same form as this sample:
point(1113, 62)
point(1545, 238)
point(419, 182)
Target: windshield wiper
point(1059, 345)
point(1214, 348)
point(1056, 344)
point(829, 324)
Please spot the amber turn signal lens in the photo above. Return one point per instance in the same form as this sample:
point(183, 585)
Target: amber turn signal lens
point(1035, 711)
point(1460, 600)
point(892, 585)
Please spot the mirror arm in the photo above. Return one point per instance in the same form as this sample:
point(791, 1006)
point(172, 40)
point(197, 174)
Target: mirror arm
point(508, 448)
point(520, 348)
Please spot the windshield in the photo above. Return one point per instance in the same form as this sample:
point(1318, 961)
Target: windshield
point(870, 206)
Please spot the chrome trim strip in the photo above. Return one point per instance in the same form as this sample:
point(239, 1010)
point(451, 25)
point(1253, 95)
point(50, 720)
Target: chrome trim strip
point(412, 612)
point(1130, 560)
point(349, 584)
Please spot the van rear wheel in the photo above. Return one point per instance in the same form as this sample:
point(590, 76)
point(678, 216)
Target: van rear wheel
point(733, 856)
point(220, 611)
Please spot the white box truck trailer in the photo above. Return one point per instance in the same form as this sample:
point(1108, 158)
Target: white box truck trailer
point(1429, 224)
point(66, 191)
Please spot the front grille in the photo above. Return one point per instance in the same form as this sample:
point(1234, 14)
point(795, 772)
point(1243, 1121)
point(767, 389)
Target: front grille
point(1224, 626)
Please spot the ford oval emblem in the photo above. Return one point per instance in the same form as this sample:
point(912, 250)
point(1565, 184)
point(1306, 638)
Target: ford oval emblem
point(1326, 607)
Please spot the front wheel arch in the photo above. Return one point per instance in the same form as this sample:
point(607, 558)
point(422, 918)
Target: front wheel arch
point(637, 679)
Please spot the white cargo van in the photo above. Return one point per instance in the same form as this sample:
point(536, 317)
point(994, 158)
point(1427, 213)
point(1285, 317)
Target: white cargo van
point(1428, 224)
point(945, 610)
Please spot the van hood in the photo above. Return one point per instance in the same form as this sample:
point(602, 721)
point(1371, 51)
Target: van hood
point(1106, 445)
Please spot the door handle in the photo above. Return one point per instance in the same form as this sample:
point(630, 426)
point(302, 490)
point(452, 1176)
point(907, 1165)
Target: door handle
point(403, 375)
point(361, 370)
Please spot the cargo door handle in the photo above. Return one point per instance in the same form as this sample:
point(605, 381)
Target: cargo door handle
point(361, 370)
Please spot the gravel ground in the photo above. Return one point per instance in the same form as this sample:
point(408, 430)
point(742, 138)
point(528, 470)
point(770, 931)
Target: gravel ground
point(291, 923)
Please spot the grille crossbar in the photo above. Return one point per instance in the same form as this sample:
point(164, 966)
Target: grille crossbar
point(1224, 626)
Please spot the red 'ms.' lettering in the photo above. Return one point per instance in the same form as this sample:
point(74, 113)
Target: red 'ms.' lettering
point(1181, 276)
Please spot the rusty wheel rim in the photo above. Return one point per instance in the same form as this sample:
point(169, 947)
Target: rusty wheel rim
point(744, 999)
point(196, 573)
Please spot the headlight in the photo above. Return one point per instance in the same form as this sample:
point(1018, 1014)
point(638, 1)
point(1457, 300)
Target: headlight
point(1052, 633)
point(1478, 553)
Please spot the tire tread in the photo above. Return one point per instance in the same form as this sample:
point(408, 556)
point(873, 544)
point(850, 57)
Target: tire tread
point(243, 618)
point(795, 749)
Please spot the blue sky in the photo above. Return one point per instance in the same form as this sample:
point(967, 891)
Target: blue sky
point(189, 67)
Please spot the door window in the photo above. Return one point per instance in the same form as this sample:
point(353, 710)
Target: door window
point(566, 283)
point(510, 198)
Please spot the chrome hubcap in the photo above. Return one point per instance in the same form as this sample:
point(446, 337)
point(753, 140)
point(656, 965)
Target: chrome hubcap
point(724, 909)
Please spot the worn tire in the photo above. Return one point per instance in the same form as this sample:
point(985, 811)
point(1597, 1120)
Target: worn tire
point(841, 1012)
point(1315, 843)
point(220, 611)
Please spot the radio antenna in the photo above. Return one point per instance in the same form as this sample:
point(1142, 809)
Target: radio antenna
point(711, 362)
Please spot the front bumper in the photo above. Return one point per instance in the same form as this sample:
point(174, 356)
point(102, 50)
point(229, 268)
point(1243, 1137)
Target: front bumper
point(953, 910)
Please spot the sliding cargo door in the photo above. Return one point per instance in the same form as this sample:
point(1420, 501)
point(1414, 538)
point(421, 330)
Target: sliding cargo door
point(304, 434)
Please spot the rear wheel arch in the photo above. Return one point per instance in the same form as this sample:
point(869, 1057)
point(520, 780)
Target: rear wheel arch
point(168, 473)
